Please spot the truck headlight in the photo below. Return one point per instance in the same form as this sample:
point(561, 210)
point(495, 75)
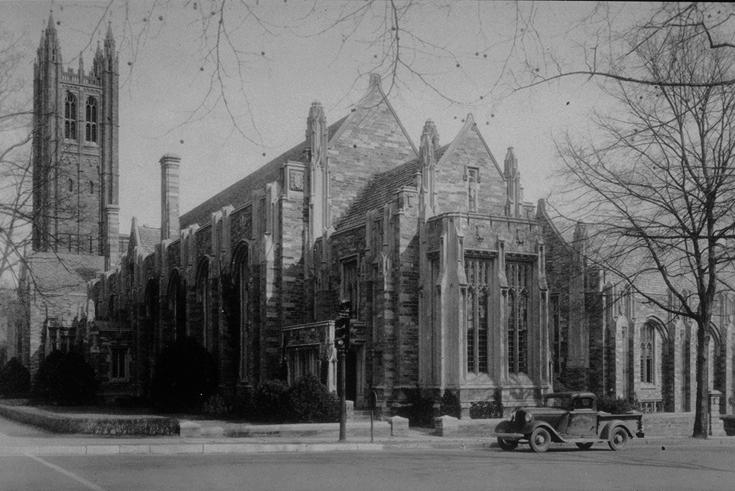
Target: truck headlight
point(528, 417)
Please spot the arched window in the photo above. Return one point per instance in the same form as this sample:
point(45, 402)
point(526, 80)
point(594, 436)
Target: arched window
point(70, 116)
point(519, 279)
point(91, 187)
point(203, 297)
point(478, 271)
point(177, 305)
point(648, 338)
point(70, 184)
point(243, 278)
point(90, 126)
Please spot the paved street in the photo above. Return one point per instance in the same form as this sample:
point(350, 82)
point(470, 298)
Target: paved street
point(649, 464)
point(686, 466)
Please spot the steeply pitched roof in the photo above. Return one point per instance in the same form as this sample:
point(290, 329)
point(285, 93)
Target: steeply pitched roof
point(54, 273)
point(149, 237)
point(469, 126)
point(381, 189)
point(241, 192)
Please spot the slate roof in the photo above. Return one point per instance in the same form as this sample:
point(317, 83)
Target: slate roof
point(241, 192)
point(381, 189)
point(54, 273)
point(149, 237)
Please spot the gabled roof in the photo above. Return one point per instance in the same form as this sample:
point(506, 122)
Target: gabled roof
point(375, 96)
point(381, 189)
point(144, 237)
point(469, 125)
point(241, 192)
point(55, 273)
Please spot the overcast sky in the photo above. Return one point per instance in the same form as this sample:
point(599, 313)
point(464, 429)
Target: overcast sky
point(291, 58)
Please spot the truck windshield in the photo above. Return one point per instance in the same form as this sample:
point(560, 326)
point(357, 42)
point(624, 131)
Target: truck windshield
point(560, 402)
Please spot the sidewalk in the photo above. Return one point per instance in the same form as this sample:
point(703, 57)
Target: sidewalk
point(219, 437)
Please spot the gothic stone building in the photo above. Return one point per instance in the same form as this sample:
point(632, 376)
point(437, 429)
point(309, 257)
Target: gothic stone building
point(455, 282)
point(442, 261)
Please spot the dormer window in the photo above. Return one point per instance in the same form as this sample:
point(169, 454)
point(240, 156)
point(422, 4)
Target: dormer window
point(90, 125)
point(70, 116)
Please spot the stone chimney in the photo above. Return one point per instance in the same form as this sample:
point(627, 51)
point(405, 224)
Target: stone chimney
point(170, 196)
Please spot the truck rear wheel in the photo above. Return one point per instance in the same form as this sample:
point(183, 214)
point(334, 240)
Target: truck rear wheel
point(618, 438)
point(506, 444)
point(540, 440)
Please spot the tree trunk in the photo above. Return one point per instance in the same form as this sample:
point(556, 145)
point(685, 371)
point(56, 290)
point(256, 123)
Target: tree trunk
point(701, 412)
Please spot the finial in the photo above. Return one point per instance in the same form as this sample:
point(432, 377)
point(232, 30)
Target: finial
point(431, 133)
point(375, 80)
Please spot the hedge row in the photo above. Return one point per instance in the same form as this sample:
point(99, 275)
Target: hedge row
point(91, 425)
point(308, 400)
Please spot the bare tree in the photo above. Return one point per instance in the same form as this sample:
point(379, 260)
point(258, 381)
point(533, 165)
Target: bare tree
point(15, 169)
point(658, 192)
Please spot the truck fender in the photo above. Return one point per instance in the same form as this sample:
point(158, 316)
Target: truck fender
point(504, 427)
point(555, 436)
point(605, 432)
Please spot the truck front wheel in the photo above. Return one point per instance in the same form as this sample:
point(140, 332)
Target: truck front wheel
point(506, 444)
point(618, 438)
point(540, 440)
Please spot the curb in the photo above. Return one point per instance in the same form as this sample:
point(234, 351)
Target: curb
point(214, 448)
point(190, 449)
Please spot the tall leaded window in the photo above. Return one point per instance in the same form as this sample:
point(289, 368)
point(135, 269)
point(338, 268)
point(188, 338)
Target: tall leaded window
point(118, 363)
point(203, 294)
point(473, 178)
point(350, 285)
point(519, 279)
point(477, 271)
point(70, 116)
point(647, 346)
point(90, 125)
point(242, 271)
point(559, 350)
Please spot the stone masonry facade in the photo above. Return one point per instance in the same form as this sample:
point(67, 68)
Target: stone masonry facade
point(456, 283)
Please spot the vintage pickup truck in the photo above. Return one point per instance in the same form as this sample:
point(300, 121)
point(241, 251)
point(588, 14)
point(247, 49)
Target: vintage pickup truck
point(568, 417)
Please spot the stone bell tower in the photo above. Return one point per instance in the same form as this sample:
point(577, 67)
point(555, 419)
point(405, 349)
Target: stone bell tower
point(75, 151)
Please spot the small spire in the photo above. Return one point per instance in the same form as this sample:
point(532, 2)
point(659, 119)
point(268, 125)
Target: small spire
point(316, 111)
point(109, 40)
point(430, 134)
point(511, 163)
point(51, 24)
point(375, 80)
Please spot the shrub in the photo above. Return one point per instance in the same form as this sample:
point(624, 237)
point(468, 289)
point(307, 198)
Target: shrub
point(418, 409)
point(310, 400)
point(615, 405)
point(217, 405)
point(270, 401)
point(485, 410)
point(15, 379)
point(450, 405)
point(184, 377)
point(65, 378)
